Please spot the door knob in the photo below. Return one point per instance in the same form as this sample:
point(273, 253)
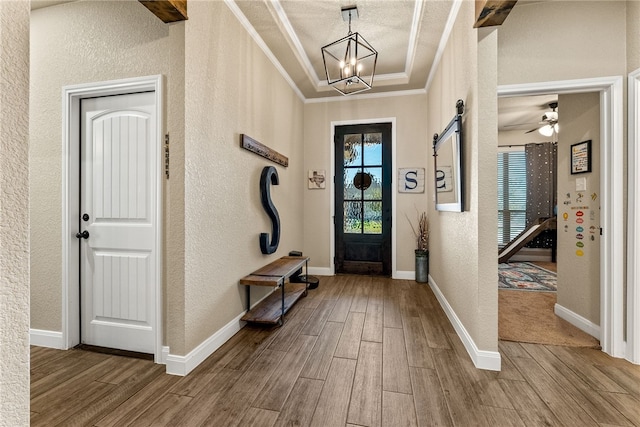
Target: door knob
point(83, 235)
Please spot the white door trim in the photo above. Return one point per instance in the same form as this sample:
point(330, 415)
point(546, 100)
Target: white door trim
point(332, 210)
point(611, 190)
point(633, 241)
point(71, 96)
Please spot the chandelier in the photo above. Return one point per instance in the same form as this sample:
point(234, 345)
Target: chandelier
point(350, 62)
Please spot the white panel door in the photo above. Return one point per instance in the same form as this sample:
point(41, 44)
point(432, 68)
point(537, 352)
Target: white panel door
point(117, 209)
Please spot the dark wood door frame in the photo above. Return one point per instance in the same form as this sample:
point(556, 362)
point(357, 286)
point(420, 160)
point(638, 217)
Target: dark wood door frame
point(364, 252)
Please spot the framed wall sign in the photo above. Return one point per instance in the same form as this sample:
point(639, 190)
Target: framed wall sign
point(411, 180)
point(581, 157)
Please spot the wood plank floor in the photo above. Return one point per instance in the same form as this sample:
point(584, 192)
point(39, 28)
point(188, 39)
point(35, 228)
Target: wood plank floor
point(358, 351)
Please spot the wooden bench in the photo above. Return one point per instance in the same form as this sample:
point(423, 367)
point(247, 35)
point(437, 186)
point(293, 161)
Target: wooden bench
point(272, 309)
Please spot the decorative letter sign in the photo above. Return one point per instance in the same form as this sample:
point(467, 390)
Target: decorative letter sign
point(269, 174)
point(411, 180)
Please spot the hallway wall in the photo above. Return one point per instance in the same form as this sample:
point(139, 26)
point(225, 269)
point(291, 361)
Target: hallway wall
point(579, 266)
point(232, 88)
point(73, 43)
point(14, 213)
point(463, 249)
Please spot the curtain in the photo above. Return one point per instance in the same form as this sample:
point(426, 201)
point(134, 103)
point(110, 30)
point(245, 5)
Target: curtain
point(541, 188)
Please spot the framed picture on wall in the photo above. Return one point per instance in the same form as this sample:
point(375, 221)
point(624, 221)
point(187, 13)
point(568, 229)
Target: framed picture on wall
point(581, 157)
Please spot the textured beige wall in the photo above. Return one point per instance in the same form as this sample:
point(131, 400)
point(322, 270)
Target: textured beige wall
point(413, 145)
point(232, 88)
point(579, 276)
point(14, 213)
point(559, 40)
point(80, 42)
point(173, 297)
point(463, 251)
point(633, 35)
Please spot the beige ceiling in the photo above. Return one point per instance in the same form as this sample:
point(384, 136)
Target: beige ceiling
point(523, 113)
point(406, 34)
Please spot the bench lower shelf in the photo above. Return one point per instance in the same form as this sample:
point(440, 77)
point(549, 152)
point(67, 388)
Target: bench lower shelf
point(269, 310)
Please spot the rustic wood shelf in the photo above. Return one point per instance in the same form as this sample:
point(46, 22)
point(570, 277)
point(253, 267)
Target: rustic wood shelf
point(269, 310)
point(272, 309)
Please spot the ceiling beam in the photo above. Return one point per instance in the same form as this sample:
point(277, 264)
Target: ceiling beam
point(167, 10)
point(490, 13)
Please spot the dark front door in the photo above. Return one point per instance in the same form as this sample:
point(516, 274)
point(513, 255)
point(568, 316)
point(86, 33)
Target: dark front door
point(363, 199)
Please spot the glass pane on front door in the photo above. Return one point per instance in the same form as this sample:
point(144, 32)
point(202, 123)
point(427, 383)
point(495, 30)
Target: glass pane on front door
point(372, 223)
point(362, 183)
point(353, 217)
point(372, 149)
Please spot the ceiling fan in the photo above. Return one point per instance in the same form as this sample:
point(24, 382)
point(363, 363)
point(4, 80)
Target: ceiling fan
point(549, 121)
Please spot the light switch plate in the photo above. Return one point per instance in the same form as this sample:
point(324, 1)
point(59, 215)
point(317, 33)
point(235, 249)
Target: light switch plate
point(581, 184)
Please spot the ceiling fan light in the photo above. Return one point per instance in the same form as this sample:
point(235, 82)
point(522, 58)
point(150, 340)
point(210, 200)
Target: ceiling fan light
point(546, 130)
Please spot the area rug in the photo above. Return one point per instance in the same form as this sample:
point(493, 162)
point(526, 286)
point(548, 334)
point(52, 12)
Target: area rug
point(529, 317)
point(526, 276)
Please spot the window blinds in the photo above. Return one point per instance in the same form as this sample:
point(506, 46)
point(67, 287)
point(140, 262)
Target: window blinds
point(512, 194)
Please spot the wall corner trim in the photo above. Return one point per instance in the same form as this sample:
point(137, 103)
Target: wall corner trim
point(482, 359)
point(576, 320)
point(49, 339)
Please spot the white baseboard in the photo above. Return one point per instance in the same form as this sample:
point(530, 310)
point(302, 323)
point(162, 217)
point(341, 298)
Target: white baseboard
point(182, 365)
point(321, 271)
point(488, 360)
point(404, 275)
point(577, 321)
point(50, 339)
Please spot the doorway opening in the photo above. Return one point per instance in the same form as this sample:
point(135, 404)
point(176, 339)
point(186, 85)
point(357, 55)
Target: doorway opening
point(610, 193)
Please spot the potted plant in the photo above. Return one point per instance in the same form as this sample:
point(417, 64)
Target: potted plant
point(422, 248)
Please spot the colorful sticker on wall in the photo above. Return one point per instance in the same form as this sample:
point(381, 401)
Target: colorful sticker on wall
point(579, 229)
point(579, 197)
point(580, 244)
point(565, 216)
point(579, 220)
point(594, 196)
point(580, 252)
